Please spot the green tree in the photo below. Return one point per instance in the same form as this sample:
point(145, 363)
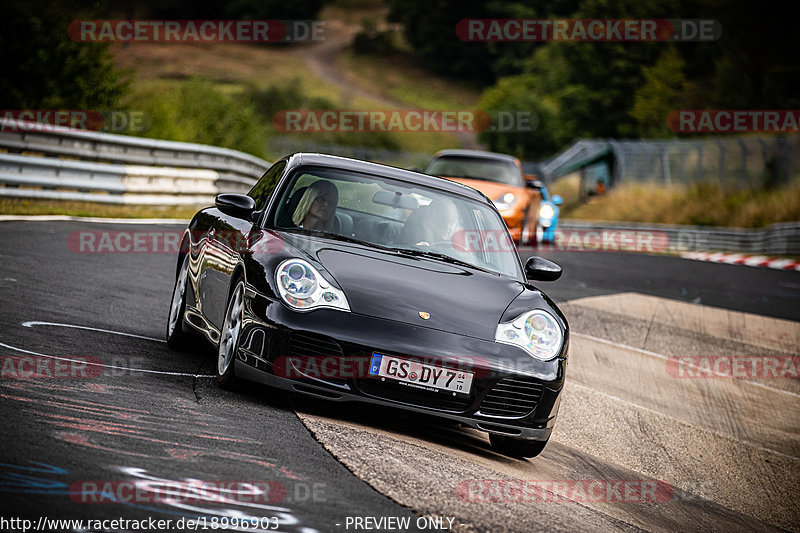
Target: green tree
point(663, 91)
point(756, 64)
point(590, 88)
point(235, 9)
point(41, 68)
point(522, 93)
point(199, 112)
point(429, 26)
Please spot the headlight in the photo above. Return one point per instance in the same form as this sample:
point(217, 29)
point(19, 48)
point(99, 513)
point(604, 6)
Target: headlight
point(547, 211)
point(537, 332)
point(505, 201)
point(303, 288)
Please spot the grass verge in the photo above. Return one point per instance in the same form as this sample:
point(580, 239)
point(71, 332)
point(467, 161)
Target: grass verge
point(700, 204)
point(10, 206)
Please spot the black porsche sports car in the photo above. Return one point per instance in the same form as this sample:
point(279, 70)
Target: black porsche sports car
point(353, 281)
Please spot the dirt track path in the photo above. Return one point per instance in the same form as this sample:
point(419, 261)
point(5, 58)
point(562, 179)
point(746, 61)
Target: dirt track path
point(321, 59)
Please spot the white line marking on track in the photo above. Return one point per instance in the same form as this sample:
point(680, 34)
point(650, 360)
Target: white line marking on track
point(32, 323)
point(143, 370)
point(99, 220)
point(667, 358)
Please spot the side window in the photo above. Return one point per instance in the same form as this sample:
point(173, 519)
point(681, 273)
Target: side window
point(262, 190)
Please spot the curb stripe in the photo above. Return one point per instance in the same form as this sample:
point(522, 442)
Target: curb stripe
point(739, 259)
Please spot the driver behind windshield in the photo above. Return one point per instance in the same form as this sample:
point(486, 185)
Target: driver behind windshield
point(317, 206)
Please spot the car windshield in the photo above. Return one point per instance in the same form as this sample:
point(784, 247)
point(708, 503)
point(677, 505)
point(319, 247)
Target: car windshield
point(478, 168)
point(396, 216)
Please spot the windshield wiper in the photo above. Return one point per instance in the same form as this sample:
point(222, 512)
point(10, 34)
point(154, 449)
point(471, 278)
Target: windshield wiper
point(406, 251)
point(440, 256)
point(335, 236)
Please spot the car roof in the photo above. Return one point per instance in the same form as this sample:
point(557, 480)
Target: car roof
point(477, 154)
point(355, 165)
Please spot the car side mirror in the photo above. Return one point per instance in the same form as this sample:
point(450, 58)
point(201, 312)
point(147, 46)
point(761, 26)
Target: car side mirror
point(533, 183)
point(236, 205)
point(557, 200)
point(541, 269)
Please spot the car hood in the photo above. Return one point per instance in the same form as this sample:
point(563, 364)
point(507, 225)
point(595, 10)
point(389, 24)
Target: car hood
point(457, 299)
point(491, 189)
point(397, 287)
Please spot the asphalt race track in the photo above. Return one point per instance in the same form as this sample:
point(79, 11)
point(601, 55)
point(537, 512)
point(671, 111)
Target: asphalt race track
point(122, 420)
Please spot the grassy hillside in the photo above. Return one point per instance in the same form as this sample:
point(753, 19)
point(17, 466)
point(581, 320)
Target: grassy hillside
point(227, 93)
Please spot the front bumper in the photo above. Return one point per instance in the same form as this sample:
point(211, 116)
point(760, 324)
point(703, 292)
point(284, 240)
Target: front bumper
point(512, 393)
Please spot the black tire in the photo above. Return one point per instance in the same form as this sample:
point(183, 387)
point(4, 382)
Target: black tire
point(229, 338)
point(178, 335)
point(516, 447)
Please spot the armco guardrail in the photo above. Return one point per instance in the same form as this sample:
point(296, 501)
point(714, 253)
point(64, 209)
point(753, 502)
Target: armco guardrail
point(117, 168)
point(782, 238)
point(51, 178)
point(54, 162)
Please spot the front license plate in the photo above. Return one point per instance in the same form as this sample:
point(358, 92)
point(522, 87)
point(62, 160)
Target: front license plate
point(421, 376)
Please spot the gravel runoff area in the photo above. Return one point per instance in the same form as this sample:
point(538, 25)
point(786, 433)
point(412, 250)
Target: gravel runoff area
point(728, 448)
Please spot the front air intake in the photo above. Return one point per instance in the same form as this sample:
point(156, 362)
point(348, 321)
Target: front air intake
point(512, 398)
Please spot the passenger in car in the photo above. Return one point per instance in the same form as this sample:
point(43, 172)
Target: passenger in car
point(317, 206)
point(430, 224)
